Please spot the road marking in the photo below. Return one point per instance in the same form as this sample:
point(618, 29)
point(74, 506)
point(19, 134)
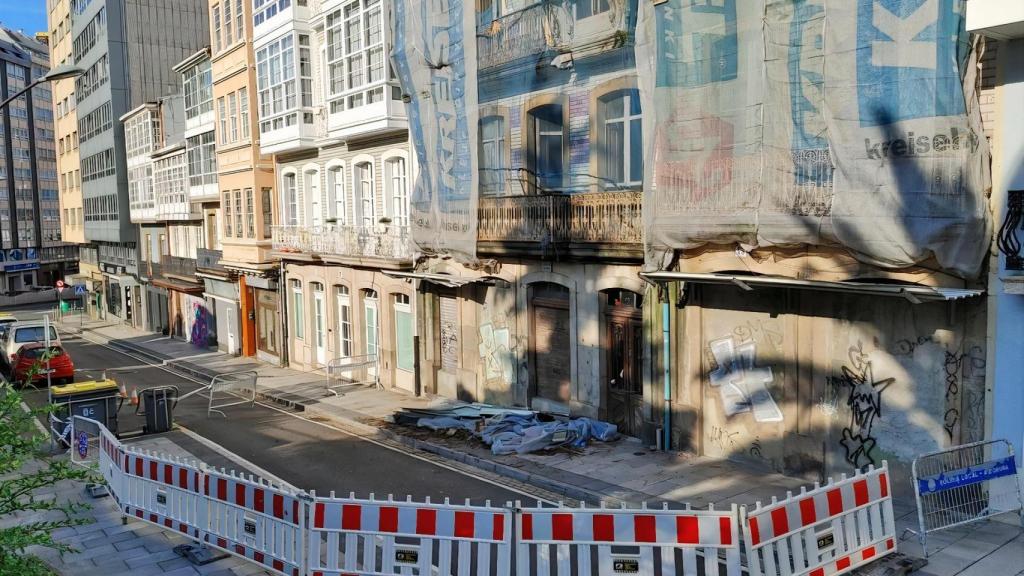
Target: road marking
point(238, 459)
point(406, 451)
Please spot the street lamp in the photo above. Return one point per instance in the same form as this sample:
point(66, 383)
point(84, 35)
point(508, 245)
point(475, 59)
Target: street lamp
point(58, 73)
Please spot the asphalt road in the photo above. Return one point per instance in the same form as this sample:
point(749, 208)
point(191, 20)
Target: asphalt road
point(303, 453)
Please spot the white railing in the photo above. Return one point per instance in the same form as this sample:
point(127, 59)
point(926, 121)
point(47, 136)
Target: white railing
point(391, 242)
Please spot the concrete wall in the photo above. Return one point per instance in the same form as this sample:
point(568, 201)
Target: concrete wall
point(816, 383)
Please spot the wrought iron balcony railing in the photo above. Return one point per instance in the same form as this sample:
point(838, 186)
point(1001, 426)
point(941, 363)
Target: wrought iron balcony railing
point(209, 260)
point(589, 218)
point(390, 242)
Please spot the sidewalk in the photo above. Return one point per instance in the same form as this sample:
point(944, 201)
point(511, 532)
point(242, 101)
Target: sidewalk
point(618, 472)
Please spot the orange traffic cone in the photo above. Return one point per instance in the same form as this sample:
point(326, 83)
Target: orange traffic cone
point(123, 393)
point(135, 396)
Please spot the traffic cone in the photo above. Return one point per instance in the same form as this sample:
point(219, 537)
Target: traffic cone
point(123, 393)
point(135, 396)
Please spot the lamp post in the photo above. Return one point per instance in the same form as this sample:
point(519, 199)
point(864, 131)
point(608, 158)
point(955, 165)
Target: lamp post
point(58, 73)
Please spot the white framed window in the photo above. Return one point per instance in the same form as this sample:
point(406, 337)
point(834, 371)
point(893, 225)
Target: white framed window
point(336, 193)
point(239, 25)
point(243, 106)
point(198, 88)
point(291, 199)
point(233, 116)
point(356, 61)
point(622, 135)
point(275, 79)
point(298, 310)
point(216, 28)
point(547, 145)
point(363, 175)
point(311, 179)
point(226, 209)
point(492, 154)
point(222, 116)
point(344, 308)
point(228, 24)
point(398, 190)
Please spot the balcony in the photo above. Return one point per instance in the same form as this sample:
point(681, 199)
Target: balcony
point(208, 261)
point(390, 246)
point(525, 33)
point(184, 268)
point(601, 224)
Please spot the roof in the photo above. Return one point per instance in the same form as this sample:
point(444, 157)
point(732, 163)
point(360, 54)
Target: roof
point(915, 293)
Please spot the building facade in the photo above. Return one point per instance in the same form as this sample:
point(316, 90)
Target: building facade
point(332, 115)
point(33, 252)
point(242, 275)
point(128, 50)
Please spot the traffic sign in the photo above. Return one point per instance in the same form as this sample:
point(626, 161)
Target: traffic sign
point(79, 289)
point(60, 283)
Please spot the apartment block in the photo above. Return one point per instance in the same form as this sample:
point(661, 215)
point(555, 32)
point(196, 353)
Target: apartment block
point(32, 250)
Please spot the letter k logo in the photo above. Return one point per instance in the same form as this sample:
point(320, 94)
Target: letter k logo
point(904, 48)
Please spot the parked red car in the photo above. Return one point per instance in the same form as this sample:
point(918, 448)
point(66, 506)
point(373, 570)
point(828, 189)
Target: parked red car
point(63, 369)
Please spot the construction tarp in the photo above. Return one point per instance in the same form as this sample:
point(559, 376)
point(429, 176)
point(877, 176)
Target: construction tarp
point(787, 122)
point(434, 56)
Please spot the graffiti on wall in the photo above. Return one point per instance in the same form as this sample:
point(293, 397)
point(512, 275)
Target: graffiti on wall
point(741, 383)
point(199, 334)
point(864, 400)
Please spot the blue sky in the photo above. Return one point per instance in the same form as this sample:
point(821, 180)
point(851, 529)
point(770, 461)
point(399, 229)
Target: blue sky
point(28, 15)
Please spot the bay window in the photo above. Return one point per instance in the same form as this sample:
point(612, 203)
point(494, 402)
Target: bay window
point(281, 91)
point(356, 62)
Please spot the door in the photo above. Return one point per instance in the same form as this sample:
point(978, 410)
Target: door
point(623, 357)
point(344, 309)
point(551, 343)
point(371, 318)
point(232, 312)
point(319, 325)
point(266, 323)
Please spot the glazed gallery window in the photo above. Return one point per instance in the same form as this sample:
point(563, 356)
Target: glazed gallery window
point(546, 146)
point(202, 159)
point(492, 154)
point(298, 311)
point(355, 55)
point(275, 77)
point(291, 199)
point(398, 190)
point(622, 135)
point(198, 88)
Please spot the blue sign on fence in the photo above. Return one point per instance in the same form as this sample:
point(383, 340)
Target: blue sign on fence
point(83, 444)
point(968, 476)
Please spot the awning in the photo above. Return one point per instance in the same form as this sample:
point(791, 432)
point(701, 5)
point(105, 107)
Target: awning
point(446, 280)
point(912, 292)
point(178, 286)
point(125, 280)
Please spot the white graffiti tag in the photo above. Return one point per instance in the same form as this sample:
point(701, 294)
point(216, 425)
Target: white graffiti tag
point(742, 385)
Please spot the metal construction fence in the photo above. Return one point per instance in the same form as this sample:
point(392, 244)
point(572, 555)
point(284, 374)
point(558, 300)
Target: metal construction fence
point(965, 484)
point(829, 530)
point(352, 371)
point(224, 390)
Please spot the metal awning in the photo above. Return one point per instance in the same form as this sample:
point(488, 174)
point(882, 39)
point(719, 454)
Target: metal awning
point(912, 292)
point(446, 280)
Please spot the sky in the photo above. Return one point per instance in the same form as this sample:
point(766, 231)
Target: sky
point(27, 15)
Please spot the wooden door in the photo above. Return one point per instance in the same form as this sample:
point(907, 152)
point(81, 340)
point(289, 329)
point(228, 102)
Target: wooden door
point(551, 343)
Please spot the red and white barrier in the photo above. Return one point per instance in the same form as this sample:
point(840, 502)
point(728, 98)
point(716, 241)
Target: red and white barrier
point(665, 541)
point(254, 519)
point(163, 491)
point(826, 531)
point(376, 537)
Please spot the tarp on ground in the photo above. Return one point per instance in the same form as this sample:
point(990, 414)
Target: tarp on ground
point(787, 122)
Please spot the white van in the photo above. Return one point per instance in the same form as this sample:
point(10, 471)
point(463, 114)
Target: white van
point(22, 333)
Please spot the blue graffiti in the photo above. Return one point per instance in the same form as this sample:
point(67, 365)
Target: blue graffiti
point(908, 59)
point(697, 41)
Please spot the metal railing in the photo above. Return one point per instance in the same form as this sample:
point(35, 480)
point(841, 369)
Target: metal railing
point(524, 33)
point(388, 242)
point(207, 259)
point(352, 371)
point(178, 266)
point(588, 218)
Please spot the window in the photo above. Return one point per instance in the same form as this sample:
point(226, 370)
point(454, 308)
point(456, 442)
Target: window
point(588, 8)
point(622, 136)
point(399, 190)
point(298, 313)
point(198, 88)
point(355, 55)
point(202, 159)
point(267, 207)
point(223, 117)
point(364, 187)
point(216, 28)
point(243, 105)
point(239, 26)
point(228, 24)
point(492, 154)
point(547, 145)
point(291, 200)
point(233, 116)
point(250, 216)
point(227, 213)
point(344, 322)
point(336, 193)
point(238, 213)
point(275, 79)
point(312, 181)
